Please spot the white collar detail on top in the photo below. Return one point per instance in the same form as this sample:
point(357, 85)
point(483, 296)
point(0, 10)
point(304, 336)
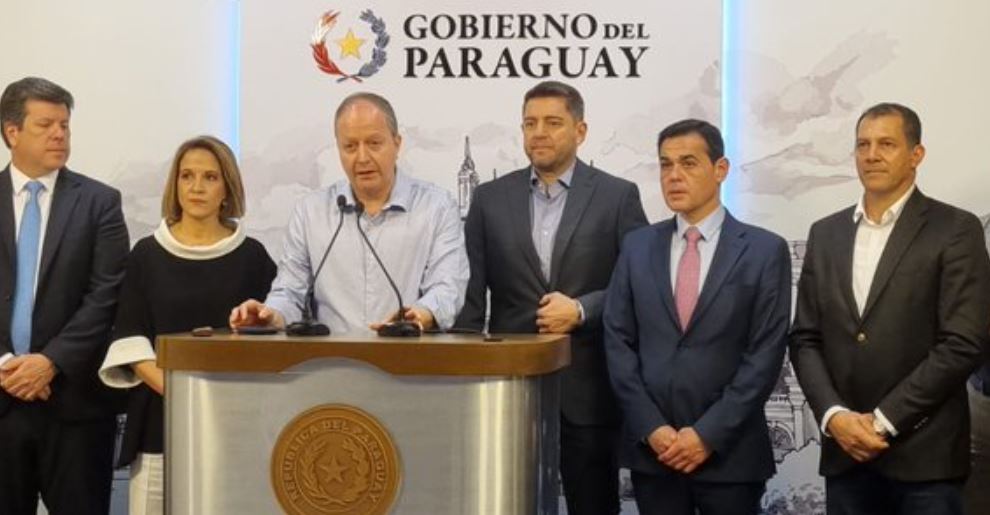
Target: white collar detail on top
point(223, 247)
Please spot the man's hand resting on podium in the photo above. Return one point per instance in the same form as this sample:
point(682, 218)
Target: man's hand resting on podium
point(254, 313)
point(421, 316)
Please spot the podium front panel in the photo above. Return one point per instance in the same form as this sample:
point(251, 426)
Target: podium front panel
point(463, 445)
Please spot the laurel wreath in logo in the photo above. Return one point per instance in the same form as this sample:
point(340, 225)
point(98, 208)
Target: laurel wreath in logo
point(322, 56)
point(314, 487)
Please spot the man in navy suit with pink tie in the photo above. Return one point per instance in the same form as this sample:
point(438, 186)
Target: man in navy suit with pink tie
point(696, 320)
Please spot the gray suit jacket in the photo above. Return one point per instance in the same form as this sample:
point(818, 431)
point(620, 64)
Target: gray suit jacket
point(600, 210)
point(924, 329)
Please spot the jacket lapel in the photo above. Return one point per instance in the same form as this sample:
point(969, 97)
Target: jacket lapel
point(63, 203)
point(731, 245)
point(7, 230)
point(908, 225)
point(844, 244)
point(578, 199)
point(522, 224)
point(660, 254)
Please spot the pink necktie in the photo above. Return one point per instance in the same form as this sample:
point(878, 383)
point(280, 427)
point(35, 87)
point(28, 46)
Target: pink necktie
point(688, 274)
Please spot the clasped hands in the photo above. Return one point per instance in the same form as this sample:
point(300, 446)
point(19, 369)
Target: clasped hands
point(28, 377)
point(854, 432)
point(681, 450)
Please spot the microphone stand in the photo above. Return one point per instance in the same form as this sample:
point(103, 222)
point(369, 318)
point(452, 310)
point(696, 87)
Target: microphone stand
point(309, 326)
point(400, 327)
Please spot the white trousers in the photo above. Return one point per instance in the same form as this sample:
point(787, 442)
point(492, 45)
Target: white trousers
point(147, 492)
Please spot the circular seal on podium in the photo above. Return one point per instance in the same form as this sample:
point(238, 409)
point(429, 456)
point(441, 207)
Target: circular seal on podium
point(335, 459)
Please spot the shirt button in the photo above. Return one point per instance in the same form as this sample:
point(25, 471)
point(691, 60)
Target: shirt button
point(861, 337)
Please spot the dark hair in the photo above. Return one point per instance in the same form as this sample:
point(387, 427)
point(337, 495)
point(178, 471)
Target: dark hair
point(376, 100)
point(13, 102)
point(551, 88)
point(911, 122)
point(707, 131)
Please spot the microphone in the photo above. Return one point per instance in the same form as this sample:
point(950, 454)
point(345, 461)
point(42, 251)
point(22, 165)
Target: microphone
point(401, 327)
point(308, 326)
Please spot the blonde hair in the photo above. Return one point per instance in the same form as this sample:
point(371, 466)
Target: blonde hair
point(232, 206)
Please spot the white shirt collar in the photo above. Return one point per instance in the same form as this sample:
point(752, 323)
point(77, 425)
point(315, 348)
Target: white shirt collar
point(18, 179)
point(889, 216)
point(223, 247)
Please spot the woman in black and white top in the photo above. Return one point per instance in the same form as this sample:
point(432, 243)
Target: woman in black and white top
point(195, 266)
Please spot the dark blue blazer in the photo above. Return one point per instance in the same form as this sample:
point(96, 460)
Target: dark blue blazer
point(717, 374)
point(81, 267)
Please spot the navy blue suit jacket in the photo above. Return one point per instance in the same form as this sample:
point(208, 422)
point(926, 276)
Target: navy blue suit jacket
point(82, 263)
point(716, 375)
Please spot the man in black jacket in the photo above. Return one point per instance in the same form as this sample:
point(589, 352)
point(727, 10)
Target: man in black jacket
point(892, 316)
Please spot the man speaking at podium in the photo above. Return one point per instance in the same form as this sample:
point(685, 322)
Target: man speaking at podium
point(412, 224)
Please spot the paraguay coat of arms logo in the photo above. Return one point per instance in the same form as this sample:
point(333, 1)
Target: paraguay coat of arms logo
point(335, 460)
point(349, 47)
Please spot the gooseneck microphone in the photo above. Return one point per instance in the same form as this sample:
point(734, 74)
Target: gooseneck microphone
point(309, 326)
point(401, 326)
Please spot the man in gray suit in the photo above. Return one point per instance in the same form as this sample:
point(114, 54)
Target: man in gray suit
point(543, 240)
point(893, 314)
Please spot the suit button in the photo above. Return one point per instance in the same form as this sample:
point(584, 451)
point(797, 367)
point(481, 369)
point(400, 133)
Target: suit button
point(861, 337)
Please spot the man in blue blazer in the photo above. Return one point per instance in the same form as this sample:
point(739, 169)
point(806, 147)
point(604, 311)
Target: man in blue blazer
point(696, 320)
point(62, 247)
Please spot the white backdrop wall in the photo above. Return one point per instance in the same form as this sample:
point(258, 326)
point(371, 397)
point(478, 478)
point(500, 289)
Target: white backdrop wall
point(287, 103)
point(145, 76)
point(808, 69)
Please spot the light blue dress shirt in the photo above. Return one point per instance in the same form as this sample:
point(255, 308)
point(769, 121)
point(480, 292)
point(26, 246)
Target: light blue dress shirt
point(417, 234)
point(547, 207)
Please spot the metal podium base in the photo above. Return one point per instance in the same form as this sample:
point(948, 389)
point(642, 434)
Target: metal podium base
point(466, 445)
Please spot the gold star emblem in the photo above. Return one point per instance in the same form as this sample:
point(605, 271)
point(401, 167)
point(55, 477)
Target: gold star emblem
point(350, 45)
point(334, 470)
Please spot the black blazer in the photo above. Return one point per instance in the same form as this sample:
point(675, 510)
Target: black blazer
point(599, 211)
point(82, 261)
point(716, 375)
point(924, 329)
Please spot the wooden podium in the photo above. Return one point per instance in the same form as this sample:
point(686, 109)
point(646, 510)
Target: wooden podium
point(441, 424)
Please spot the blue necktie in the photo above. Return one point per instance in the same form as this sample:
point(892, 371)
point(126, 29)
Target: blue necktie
point(27, 264)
